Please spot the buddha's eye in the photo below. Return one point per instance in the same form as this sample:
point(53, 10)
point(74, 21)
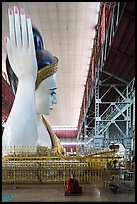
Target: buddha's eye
point(52, 93)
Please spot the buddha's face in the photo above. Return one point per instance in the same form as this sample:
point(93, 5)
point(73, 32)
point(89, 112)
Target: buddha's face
point(46, 95)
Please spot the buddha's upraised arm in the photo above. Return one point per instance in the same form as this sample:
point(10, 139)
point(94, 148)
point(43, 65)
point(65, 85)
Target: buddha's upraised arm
point(20, 44)
point(21, 126)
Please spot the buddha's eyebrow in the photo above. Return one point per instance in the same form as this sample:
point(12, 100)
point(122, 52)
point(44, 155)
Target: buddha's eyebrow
point(53, 89)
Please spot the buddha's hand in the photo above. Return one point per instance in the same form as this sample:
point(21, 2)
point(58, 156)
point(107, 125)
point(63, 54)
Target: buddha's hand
point(20, 44)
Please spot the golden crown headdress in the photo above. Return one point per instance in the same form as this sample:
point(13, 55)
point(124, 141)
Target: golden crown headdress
point(45, 72)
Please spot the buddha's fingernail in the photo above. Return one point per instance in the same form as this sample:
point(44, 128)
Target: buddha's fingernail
point(10, 11)
point(5, 39)
point(15, 9)
point(22, 11)
point(28, 16)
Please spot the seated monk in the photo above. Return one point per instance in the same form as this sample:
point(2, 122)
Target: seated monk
point(72, 186)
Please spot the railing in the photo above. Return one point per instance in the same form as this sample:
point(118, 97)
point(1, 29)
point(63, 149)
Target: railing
point(18, 170)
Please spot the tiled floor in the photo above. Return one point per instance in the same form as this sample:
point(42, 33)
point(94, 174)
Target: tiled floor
point(55, 193)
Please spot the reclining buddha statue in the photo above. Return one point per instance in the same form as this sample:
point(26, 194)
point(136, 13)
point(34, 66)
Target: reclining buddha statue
point(32, 74)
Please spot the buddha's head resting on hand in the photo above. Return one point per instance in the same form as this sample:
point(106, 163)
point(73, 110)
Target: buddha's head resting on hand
point(45, 86)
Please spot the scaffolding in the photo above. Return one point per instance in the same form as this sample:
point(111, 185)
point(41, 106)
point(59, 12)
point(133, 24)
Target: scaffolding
point(95, 123)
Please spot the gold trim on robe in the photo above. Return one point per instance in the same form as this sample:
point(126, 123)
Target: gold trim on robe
point(55, 141)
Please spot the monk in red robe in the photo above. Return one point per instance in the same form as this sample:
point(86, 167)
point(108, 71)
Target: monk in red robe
point(72, 186)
